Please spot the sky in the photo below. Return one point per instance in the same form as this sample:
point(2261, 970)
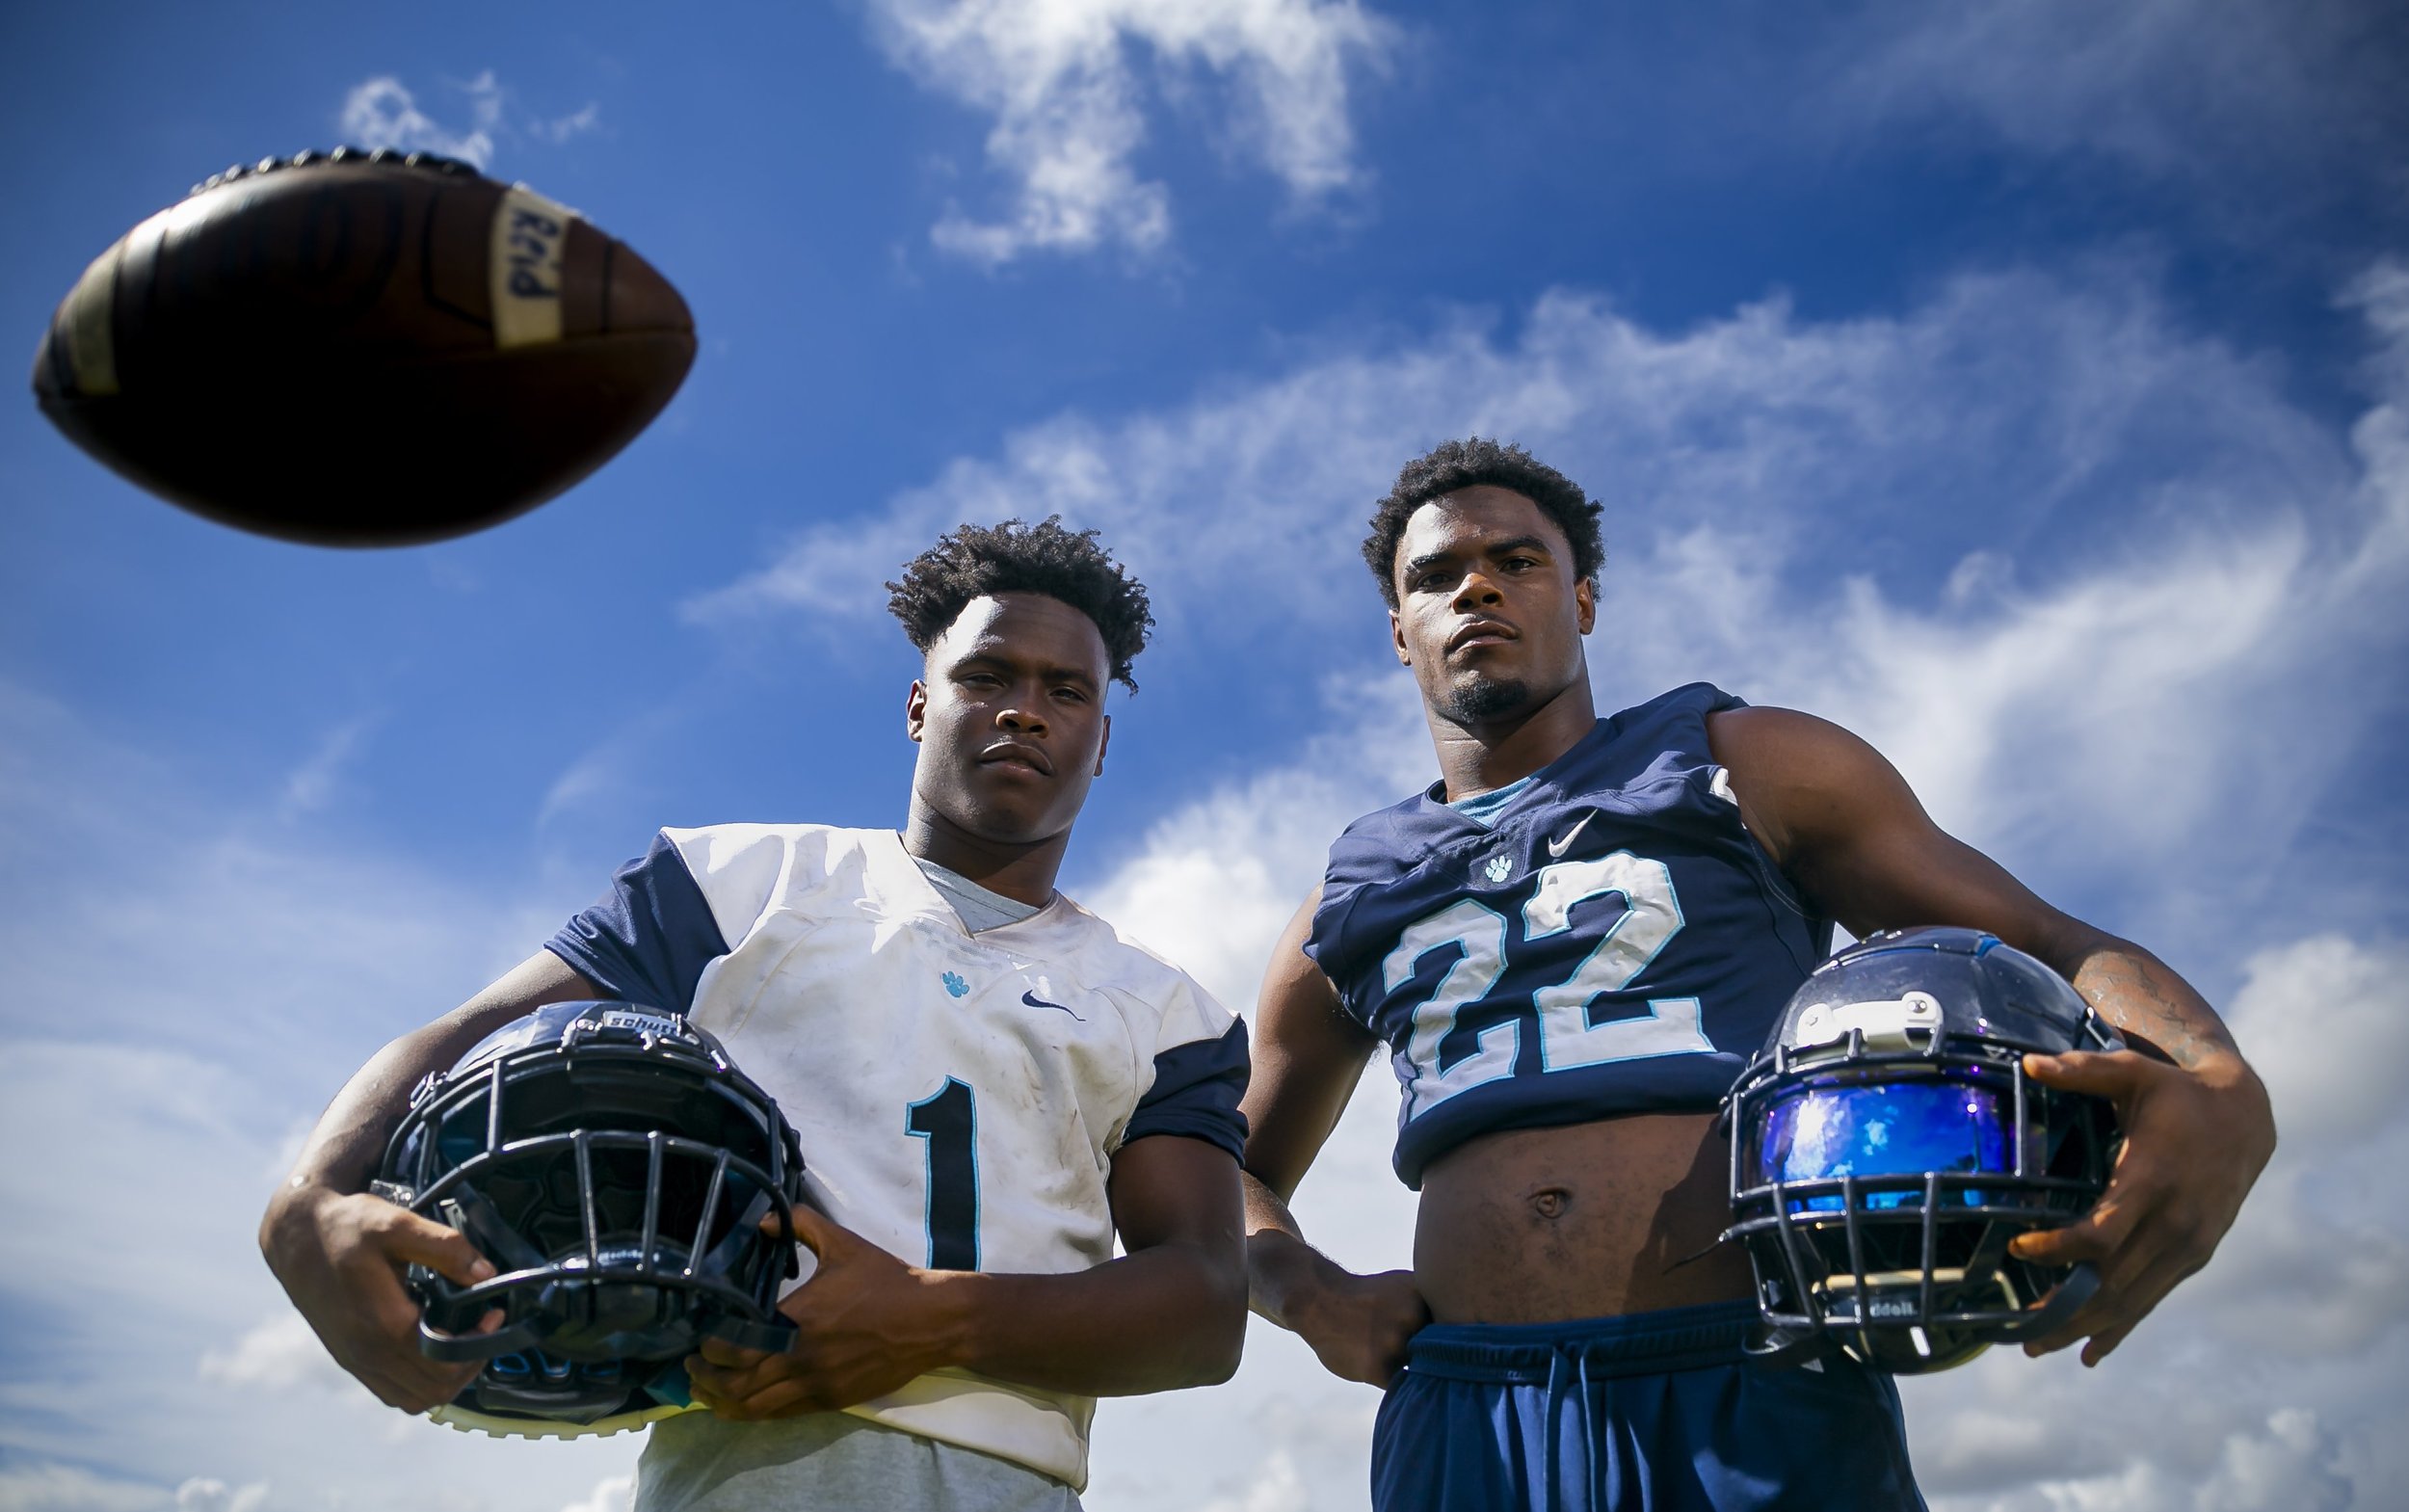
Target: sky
point(2024, 388)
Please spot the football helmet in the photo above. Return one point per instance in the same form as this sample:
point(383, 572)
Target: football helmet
point(616, 1167)
point(1887, 1145)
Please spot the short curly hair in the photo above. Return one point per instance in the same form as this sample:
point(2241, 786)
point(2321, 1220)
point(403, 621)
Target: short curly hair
point(1452, 466)
point(1018, 558)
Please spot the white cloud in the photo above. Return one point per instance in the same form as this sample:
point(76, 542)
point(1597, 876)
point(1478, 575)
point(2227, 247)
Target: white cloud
point(313, 783)
point(2240, 94)
point(281, 1354)
point(612, 1494)
point(2159, 556)
point(202, 1495)
point(1064, 84)
point(381, 112)
point(576, 123)
point(64, 1488)
point(203, 978)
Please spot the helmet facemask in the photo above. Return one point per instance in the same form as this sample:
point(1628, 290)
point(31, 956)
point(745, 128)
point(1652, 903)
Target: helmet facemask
point(1886, 1149)
point(616, 1169)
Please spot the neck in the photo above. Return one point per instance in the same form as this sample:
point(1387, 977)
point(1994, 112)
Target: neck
point(1022, 871)
point(1480, 758)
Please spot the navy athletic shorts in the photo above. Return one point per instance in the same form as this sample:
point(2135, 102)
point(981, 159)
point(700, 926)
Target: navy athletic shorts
point(1652, 1412)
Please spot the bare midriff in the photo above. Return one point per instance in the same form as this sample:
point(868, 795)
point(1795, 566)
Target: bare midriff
point(1540, 1225)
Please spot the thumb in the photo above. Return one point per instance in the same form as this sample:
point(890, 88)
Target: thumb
point(814, 1230)
point(445, 1251)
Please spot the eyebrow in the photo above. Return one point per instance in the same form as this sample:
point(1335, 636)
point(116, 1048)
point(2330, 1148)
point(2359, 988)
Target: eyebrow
point(998, 659)
point(1496, 549)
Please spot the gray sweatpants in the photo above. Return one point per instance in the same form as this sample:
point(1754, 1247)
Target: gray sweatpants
point(697, 1463)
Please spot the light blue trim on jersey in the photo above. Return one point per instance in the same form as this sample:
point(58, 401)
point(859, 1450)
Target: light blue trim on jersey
point(1483, 808)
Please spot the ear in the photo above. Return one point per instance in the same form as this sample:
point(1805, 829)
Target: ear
point(916, 708)
point(1396, 638)
point(1102, 741)
point(1586, 600)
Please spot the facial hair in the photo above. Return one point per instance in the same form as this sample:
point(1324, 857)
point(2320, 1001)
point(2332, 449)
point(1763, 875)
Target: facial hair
point(1484, 700)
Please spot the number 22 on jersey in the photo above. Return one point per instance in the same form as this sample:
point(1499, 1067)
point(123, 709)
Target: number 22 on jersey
point(1652, 916)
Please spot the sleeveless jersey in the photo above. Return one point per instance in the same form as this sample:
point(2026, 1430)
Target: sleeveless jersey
point(1614, 943)
point(959, 1097)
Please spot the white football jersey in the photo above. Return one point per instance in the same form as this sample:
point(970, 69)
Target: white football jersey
point(957, 1097)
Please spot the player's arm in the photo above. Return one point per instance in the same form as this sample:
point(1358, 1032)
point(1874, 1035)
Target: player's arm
point(1308, 1057)
point(340, 1252)
point(2198, 1130)
point(1170, 1312)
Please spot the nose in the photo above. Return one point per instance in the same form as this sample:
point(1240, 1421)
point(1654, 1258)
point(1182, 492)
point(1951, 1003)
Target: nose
point(1477, 589)
point(1022, 714)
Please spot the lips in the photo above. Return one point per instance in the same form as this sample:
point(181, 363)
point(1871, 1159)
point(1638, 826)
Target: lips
point(1482, 630)
point(1014, 753)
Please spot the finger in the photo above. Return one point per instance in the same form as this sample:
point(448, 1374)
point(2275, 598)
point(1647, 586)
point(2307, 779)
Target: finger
point(2104, 1073)
point(445, 1251)
point(814, 1230)
point(487, 1324)
point(2132, 1281)
point(783, 1397)
point(721, 1353)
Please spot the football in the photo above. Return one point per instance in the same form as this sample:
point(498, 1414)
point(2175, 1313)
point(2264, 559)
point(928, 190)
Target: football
point(361, 348)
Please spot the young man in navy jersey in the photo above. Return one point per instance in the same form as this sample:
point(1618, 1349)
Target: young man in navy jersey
point(958, 1316)
point(1598, 921)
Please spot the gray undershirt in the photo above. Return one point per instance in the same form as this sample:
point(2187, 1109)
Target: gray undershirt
point(978, 909)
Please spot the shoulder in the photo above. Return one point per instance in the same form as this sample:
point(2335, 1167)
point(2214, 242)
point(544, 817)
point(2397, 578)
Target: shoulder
point(1114, 961)
point(724, 850)
point(743, 869)
point(1800, 779)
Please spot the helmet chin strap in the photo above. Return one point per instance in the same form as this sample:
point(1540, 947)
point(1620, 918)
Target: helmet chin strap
point(2064, 1300)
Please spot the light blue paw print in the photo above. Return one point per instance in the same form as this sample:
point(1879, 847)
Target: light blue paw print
point(956, 985)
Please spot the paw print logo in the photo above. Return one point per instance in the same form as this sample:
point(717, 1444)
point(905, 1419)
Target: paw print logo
point(956, 986)
point(1499, 867)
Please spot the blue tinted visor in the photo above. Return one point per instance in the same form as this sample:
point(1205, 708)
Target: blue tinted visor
point(1829, 1130)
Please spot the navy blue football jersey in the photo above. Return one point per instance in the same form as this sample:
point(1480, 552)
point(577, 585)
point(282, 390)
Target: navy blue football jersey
point(1610, 941)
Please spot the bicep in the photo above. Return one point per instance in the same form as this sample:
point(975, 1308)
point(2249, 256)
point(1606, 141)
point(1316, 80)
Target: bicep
point(1845, 826)
point(1308, 1057)
point(1171, 1189)
point(540, 979)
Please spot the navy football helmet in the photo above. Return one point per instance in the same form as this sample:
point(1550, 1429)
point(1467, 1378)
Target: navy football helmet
point(1887, 1145)
point(616, 1167)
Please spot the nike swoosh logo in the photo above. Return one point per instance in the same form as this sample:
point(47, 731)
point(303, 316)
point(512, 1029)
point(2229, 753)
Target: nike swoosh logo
point(1035, 1001)
point(1564, 843)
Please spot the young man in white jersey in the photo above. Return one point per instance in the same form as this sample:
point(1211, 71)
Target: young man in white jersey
point(950, 1343)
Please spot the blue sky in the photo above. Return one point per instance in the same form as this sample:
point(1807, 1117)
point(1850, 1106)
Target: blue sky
point(2025, 387)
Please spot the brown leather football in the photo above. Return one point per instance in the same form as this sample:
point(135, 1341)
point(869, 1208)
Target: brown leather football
point(361, 348)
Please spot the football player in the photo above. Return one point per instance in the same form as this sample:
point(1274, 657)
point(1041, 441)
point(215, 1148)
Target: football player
point(988, 1082)
point(1570, 945)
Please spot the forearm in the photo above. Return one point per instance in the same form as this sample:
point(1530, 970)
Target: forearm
point(2144, 998)
point(1164, 1319)
point(1279, 1264)
point(348, 1144)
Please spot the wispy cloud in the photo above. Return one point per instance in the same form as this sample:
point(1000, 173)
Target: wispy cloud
point(2255, 93)
point(1066, 84)
point(382, 112)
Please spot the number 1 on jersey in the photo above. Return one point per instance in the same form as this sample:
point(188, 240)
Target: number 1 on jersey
point(949, 1120)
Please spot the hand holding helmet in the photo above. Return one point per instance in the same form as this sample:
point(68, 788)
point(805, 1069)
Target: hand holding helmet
point(634, 1193)
point(1889, 1149)
point(342, 1258)
point(2164, 1206)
